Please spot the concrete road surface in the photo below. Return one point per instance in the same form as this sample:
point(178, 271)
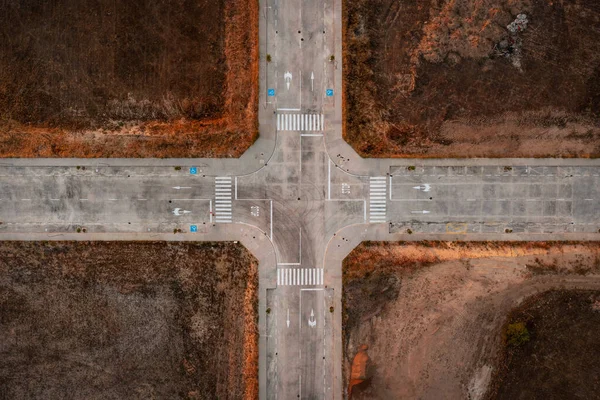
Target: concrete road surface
point(300, 198)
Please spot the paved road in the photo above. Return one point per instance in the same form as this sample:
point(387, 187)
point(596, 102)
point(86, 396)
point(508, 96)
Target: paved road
point(300, 199)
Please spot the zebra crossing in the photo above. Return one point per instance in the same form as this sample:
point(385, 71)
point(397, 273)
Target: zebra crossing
point(223, 199)
point(377, 199)
point(299, 276)
point(300, 122)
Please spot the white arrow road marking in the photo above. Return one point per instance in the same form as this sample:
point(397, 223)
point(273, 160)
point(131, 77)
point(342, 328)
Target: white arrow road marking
point(312, 322)
point(421, 212)
point(288, 79)
point(426, 187)
point(288, 318)
point(181, 187)
point(178, 211)
point(312, 81)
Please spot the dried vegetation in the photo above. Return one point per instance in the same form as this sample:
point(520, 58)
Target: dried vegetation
point(449, 79)
point(559, 359)
point(119, 79)
point(432, 313)
point(128, 320)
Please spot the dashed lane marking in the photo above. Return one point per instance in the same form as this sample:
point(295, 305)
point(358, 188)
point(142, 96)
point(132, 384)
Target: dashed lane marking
point(300, 122)
point(299, 276)
point(377, 199)
point(222, 211)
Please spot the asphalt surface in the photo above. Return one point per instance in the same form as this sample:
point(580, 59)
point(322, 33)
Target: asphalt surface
point(300, 199)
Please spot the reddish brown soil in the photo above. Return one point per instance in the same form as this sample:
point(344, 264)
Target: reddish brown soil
point(422, 79)
point(432, 313)
point(560, 361)
point(128, 321)
point(128, 79)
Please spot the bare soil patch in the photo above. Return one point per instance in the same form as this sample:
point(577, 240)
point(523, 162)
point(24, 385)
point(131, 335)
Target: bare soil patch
point(432, 313)
point(560, 360)
point(450, 79)
point(123, 320)
point(128, 78)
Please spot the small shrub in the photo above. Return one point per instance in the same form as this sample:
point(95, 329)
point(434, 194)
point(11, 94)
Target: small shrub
point(78, 167)
point(174, 230)
point(506, 169)
point(411, 168)
point(331, 309)
point(268, 311)
point(177, 168)
point(268, 58)
point(332, 58)
point(78, 230)
point(508, 230)
point(409, 231)
point(517, 334)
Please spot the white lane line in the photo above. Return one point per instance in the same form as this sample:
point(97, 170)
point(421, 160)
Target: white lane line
point(300, 276)
point(328, 178)
point(300, 122)
point(223, 196)
point(271, 219)
point(377, 199)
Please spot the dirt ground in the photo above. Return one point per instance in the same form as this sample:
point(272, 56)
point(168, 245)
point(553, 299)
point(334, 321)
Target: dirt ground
point(120, 78)
point(432, 313)
point(447, 78)
point(122, 320)
point(560, 361)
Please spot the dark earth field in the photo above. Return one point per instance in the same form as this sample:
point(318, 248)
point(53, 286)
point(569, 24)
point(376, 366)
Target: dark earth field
point(560, 361)
point(123, 78)
point(448, 79)
point(123, 320)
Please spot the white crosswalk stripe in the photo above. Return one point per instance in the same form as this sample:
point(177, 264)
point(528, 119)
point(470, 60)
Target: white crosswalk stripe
point(300, 122)
point(377, 199)
point(299, 276)
point(222, 211)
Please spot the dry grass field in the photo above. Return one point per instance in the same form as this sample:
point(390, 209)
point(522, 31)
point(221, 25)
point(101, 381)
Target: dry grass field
point(434, 317)
point(128, 78)
point(126, 320)
point(450, 79)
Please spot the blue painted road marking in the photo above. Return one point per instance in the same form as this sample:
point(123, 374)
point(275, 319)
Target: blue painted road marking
point(329, 92)
point(193, 228)
point(193, 171)
point(271, 92)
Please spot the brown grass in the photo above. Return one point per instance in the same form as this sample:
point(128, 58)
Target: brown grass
point(226, 135)
point(422, 79)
